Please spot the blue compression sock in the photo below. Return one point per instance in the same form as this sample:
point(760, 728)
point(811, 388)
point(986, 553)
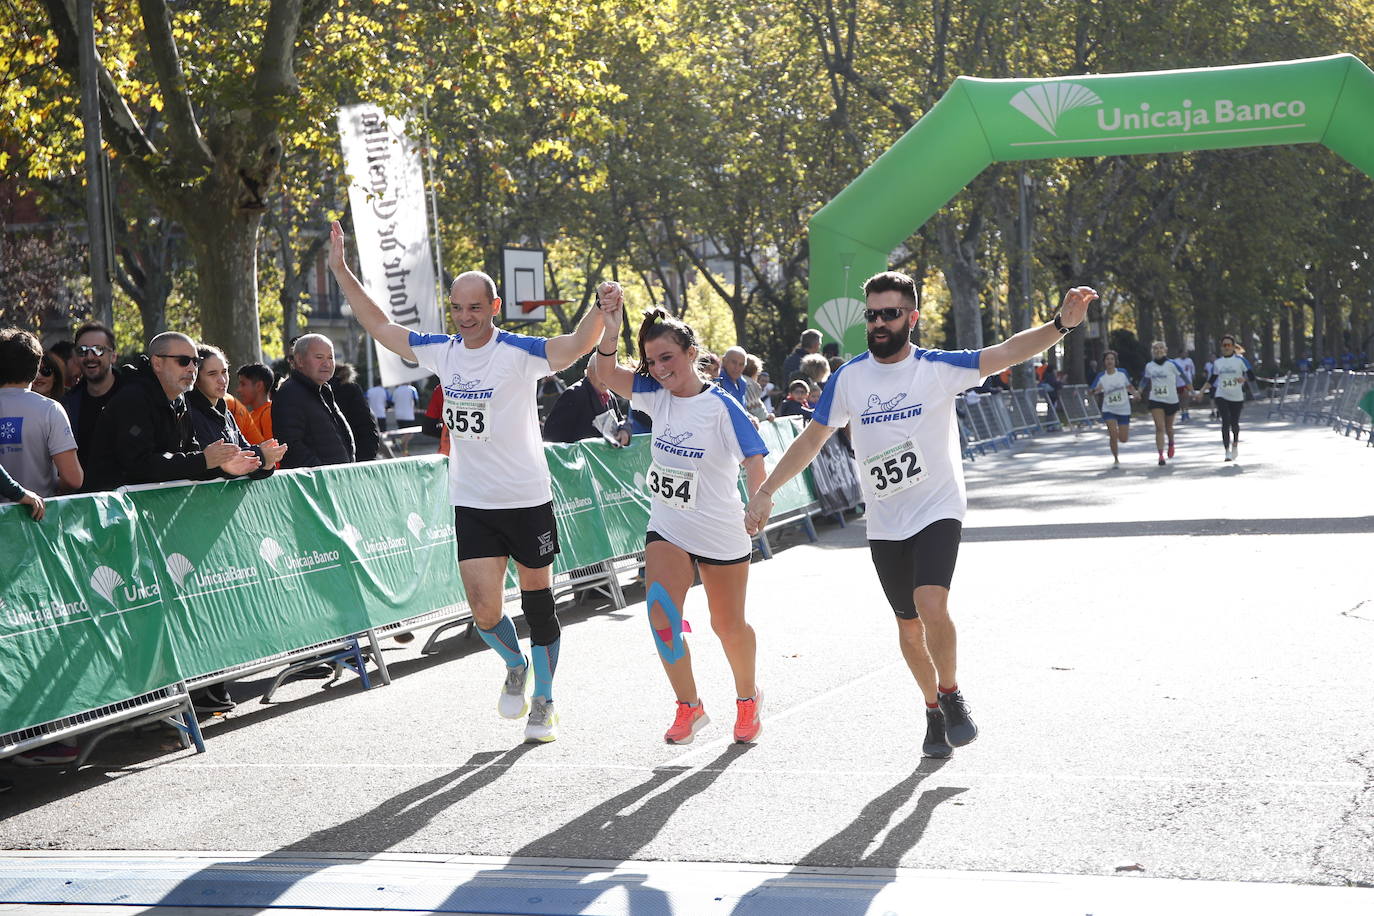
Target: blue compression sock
point(502, 638)
point(545, 660)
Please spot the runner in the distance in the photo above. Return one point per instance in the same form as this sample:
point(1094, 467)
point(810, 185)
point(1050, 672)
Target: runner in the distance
point(1165, 386)
point(899, 400)
point(1227, 381)
point(702, 436)
point(1116, 389)
point(499, 481)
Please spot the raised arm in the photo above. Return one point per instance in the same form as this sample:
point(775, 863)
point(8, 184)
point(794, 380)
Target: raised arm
point(1022, 346)
point(564, 350)
point(395, 337)
point(799, 454)
point(611, 301)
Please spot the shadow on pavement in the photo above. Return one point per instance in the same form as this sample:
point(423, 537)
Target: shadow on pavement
point(849, 848)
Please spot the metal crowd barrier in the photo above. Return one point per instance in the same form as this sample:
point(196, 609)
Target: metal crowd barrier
point(1346, 415)
point(1079, 406)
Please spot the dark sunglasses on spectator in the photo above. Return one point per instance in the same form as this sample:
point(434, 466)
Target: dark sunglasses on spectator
point(45, 372)
point(93, 351)
point(890, 314)
point(182, 361)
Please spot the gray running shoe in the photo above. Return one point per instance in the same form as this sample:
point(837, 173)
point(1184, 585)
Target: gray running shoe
point(542, 726)
point(959, 727)
point(936, 744)
point(513, 703)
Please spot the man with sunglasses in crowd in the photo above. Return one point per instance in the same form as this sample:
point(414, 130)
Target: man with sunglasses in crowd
point(94, 355)
point(145, 434)
point(898, 400)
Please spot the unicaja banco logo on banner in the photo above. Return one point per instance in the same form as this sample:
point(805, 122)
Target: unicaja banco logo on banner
point(1047, 103)
point(110, 585)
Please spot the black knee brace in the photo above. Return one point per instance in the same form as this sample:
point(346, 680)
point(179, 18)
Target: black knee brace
point(540, 616)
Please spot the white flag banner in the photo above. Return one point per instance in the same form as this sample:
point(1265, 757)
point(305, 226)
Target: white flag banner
point(386, 190)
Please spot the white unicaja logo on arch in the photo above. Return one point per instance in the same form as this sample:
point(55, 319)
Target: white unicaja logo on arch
point(1044, 104)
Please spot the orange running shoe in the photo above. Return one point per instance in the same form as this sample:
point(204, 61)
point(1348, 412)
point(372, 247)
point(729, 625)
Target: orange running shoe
point(749, 718)
point(688, 721)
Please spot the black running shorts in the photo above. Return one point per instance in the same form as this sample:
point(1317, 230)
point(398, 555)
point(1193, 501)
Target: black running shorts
point(651, 535)
point(1169, 409)
point(530, 535)
point(925, 558)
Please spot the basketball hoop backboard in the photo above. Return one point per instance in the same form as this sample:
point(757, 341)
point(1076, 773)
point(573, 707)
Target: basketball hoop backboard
point(522, 276)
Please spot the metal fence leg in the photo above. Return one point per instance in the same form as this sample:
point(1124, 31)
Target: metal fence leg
point(613, 584)
point(810, 528)
point(761, 542)
point(377, 656)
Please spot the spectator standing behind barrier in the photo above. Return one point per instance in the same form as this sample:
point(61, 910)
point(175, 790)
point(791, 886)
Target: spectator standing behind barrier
point(753, 391)
point(901, 399)
point(810, 342)
point(352, 402)
point(51, 380)
point(377, 400)
point(65, 350)
point(91, 394)
point(37, 447)
point(405, 397)
point(731, 375)
point(145, 434)
point(212, 419)
point(696, 517)
point(254, 394)
point(499, 479)
point(815, 369)
point(798, 391)
point(305, 415)
point(570, 418)
point(433, 422)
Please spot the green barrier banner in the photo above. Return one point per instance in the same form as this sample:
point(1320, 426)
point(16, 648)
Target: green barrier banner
point(582, 538)
point(80, 611)
point(253, 568)
point(621, 494)
point(1327, 100)
point(797, 493)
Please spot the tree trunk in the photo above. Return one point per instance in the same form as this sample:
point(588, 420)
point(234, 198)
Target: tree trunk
point(1285, 340)
point(1267, 344)
point(964, 280)
point(1318, 322)
point(1145, 318)
point(226, 266)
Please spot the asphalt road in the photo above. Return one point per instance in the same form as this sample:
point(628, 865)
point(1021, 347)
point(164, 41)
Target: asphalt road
point(1169, 667)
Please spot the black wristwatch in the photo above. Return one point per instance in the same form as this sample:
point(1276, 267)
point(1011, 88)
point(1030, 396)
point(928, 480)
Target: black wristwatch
point(1059, 326)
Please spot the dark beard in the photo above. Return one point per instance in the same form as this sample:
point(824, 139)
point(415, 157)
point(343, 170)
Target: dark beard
point(894, 343)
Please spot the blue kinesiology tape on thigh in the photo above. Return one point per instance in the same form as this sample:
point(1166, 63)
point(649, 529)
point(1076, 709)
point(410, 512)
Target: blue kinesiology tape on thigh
point(669, 650)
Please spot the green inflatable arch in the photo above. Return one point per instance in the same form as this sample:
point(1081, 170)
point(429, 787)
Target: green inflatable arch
point(1327, 100)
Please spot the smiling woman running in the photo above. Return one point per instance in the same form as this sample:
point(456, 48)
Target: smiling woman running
point(701, 438)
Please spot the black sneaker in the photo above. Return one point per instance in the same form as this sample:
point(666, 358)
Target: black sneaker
point(959, 727)
point(936, 744)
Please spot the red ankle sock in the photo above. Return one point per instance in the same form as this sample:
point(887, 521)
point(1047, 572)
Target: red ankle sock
point(954, 689)
point(932, 706)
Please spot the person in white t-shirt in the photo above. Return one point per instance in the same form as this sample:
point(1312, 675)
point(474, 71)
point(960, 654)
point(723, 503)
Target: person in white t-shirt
point(898, 400)
point(701, 438)
point(1116, 390)
point(1165, 387)
point(404, 399)
point(1185, 362)
point(377, 399)
point(499, 481)
point(1227, 381)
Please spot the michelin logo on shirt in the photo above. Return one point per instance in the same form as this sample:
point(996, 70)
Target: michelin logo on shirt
point(466, 389)
point(880, 411)
point(671, 443)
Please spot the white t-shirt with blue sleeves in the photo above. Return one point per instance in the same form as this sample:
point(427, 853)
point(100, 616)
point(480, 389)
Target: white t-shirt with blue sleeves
point(693, 474)
point(1116, 396)
point(1162, 381)
point(1231, 372)
point(496, 459)
point(904, 435)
